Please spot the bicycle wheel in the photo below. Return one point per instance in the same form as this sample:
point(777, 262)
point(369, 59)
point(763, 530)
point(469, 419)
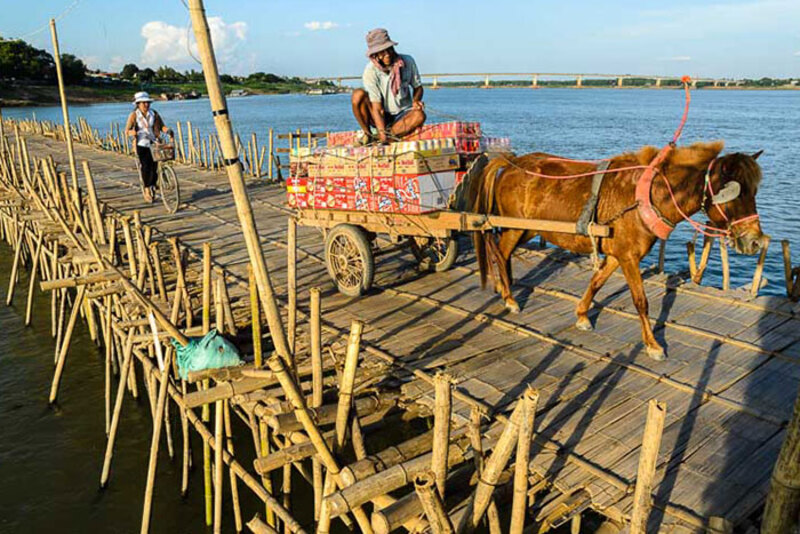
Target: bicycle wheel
point(169, 188)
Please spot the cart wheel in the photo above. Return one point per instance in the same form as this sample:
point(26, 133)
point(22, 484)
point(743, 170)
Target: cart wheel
point(436, 253)
point(349, 259)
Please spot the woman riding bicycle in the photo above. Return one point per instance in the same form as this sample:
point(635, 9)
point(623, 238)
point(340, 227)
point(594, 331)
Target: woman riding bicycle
point(142, 123)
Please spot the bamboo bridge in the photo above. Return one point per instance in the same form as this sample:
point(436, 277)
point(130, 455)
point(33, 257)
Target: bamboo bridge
point(725, 393)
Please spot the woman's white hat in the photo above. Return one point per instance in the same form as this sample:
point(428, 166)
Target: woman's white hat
point(141, 96)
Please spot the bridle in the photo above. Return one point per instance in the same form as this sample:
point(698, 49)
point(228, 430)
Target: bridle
point(728, 193)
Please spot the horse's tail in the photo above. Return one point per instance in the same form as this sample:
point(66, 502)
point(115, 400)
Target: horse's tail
point(482, 201)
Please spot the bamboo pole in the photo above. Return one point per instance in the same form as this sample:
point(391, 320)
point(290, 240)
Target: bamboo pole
point(441, 429)
point(661, 253)
point(783, 501)
point(112, 433)
point(432, 504)
point(190, 141)
point(704, 255)
point(109, 355)
point(257, 526)
point(65, 112)
point(15, 265)
point(491, 473)
point(348, 380)
point(651, 442)
point(237, 512)
point(32, 283)
point(726, 268)
point(244, 210)
point(205, 415)
point(692, 259)
point(519, 504)
point(787, 266)
point(269, 159)
point(66, 342)
point(291, 281)
point(316, 388)
point(756, 285)
point(94, 205)
point(218, 445)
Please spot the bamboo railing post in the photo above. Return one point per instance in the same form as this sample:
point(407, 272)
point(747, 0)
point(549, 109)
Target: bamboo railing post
point(756, 285)
point(244, 210)
point(704, 255)
point(432, 504)
point(62, 358)
point(205, 413)
point(519, 504)
point(441, 429)
point(316, 387)
point(783, 501)
point(346, 385)
point(661, 253)
point(271, 156)
point(692, 259)
point(726, 267)
point(190, 142)
point(94, 205)
point(651, 442)
point(493, 468)
point(218, 471)
point(787, 266)
point(291, 282)
point(65, 112)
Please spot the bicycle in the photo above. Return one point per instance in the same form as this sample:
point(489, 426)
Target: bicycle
point(167, 180)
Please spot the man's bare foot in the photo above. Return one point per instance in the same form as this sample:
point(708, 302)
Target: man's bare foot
point(147, 194)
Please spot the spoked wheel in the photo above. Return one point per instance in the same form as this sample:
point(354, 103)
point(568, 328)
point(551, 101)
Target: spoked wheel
point(435, 253)
point(168, 187)
point(348, 256)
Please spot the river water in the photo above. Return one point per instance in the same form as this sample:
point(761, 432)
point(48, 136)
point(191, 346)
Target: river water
point(50, 457)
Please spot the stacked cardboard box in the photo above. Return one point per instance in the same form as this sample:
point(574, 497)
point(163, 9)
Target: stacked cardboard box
point(415, 175)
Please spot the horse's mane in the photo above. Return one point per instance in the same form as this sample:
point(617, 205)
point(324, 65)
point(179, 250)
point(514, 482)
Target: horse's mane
point(697, 155)
point(742, 168)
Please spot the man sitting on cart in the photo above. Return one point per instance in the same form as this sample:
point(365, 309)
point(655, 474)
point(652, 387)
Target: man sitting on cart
point(390, 104)
point(143, 123)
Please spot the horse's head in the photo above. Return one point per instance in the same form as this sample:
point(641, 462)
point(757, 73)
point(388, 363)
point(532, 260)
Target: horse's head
point(729, 200)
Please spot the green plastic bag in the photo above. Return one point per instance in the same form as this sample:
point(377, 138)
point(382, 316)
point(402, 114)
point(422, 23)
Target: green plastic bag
point(211, 351)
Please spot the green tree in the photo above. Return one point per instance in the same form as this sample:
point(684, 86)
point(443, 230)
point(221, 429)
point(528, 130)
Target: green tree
point(129, 71)
point(169, 74)
point(20, 60)
point(73, 69)
point(146, 75)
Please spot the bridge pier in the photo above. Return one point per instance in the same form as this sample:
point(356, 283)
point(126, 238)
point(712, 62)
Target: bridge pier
point(619, 81)
point(486, 82)
point(716, 83)
point(658, 82)
point(579, 82)
point(535, 82)
point(694, 83)
point(435, 82)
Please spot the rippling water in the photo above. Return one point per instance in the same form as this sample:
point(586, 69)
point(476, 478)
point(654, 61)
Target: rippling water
point(581, 123)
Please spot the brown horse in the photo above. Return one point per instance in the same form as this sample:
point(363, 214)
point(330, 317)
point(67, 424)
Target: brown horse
point(509, 187)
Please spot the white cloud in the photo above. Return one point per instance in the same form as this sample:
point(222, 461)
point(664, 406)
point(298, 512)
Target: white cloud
point(677, 58)
point(168, 44)
point(116, 63)
point(315, 25)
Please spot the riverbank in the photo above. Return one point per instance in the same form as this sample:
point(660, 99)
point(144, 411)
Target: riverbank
point(24, 95)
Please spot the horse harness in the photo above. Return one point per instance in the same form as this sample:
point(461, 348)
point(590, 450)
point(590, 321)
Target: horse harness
point(589, 214)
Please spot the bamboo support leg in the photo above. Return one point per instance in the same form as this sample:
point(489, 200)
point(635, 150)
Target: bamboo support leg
point(237, 512)
point(692, 259)
point(783, 501)
point(429, 498)
point(65, 344)
point(15, 265)
point(112, 433)
point(316, 388)
point(218, 467)
point(726, 268)
point(756, 285)
point(651, 442)
point(32, 285)
point(787, 266)
point(108, 357)
point(519, 503)
point(661, 253)
point(704, 256)
point(347, 382)
point(291, 259)
point(441, 430)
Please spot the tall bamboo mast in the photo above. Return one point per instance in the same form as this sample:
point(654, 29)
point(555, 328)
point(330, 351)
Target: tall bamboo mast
point(65, 111)
point(233, 168)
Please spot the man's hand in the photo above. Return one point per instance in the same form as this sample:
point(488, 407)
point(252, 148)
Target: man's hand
point(382, 137)
point(418, 105)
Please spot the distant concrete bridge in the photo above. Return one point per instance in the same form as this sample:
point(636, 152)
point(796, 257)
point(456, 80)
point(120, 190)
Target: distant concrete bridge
point(535, 76)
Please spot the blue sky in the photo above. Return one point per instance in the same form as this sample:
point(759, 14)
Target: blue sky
point(746, 38)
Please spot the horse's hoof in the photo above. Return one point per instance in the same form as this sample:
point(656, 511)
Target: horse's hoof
point(512, 306)
point(583, 323)
point(657, 353)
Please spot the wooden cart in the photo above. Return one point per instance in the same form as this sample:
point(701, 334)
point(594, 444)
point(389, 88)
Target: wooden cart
point(431, 236)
